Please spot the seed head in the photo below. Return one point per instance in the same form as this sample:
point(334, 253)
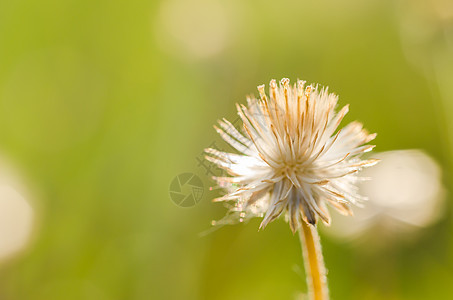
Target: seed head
point(291, 158)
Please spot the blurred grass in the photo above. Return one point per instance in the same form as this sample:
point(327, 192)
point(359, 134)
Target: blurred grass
point(100, 108)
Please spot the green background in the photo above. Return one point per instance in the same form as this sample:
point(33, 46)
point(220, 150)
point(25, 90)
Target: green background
point(103, 103)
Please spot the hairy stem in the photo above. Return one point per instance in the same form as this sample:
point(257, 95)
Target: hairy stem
point(313, 262)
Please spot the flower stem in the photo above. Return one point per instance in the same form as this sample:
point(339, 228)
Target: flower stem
point(313, 262)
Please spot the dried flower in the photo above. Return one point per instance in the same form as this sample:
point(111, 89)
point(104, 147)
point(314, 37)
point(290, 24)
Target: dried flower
point(292, 160)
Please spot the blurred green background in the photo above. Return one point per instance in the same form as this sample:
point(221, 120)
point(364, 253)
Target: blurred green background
point(103, 103)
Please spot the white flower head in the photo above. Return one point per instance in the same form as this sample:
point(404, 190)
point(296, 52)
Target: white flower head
point(292, 159)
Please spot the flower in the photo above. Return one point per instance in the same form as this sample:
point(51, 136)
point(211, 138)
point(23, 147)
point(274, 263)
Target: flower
point(290, 159)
